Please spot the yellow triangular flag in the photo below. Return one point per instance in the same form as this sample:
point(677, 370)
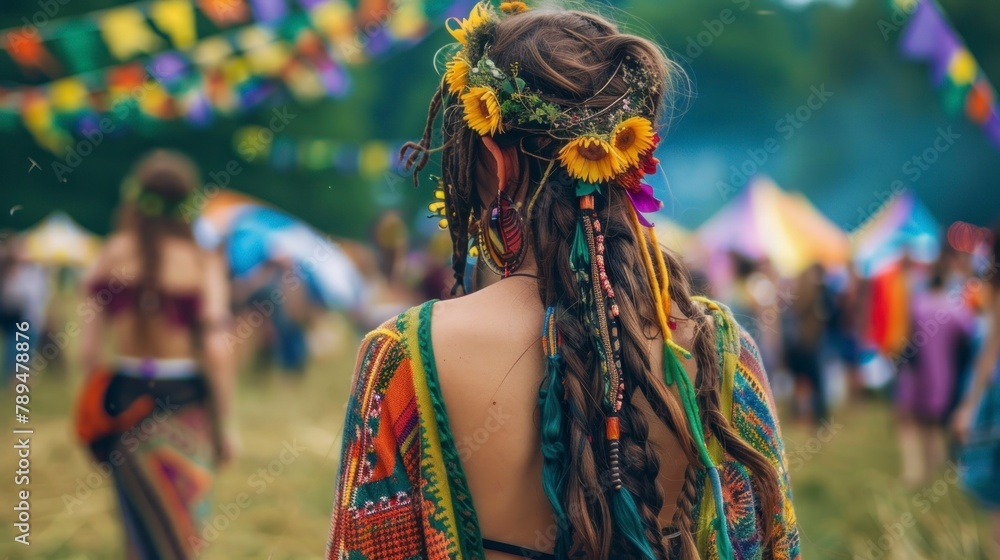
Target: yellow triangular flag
point(266, 57)
point(126, 33)
point(211, 52)
point(176, 19)
point(68, 95)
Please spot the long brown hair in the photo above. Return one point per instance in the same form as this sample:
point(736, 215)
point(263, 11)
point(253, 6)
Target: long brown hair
point(574, 59)
point(156, 191)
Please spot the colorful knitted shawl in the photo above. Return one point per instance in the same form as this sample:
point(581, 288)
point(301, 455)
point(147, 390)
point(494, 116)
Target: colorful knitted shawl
point(401, 490)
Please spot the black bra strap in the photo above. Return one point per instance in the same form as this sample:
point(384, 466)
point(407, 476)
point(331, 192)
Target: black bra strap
point(516, 550)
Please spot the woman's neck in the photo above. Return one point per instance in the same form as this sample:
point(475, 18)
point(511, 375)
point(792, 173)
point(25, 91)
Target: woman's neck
point(485, 277)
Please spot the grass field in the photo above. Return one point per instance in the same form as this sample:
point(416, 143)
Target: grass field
point(849, 502)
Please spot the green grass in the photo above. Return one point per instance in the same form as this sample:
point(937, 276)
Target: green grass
point(845, 482)
point(848, 496)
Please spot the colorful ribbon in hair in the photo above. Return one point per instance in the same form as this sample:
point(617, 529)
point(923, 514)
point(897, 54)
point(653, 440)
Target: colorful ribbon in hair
point(673, 372)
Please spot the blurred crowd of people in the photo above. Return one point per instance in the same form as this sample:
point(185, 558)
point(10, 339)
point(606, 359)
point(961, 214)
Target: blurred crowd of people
point(923, 335)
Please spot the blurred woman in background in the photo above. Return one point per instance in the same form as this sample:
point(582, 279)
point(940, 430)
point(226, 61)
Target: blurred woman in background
point(158, 412)
point(928, 374)
point(976, 421)
point(807, 318)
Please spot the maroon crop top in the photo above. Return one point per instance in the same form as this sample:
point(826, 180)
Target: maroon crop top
point(181, 309)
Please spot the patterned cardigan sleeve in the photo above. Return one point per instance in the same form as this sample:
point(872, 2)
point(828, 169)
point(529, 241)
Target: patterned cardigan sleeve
point(377, 509)
point(756, 421)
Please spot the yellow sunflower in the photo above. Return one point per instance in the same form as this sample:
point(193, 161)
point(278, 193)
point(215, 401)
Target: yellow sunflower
point(592, 159)
point(478, 16)
point(632, 138)
point(482, 111)
point(456, 74)
point(513, 7)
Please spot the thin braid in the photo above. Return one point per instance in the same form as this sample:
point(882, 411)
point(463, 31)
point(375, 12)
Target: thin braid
point(641, 466)
point(685, 546)
point(661, 265)
point(419, 152)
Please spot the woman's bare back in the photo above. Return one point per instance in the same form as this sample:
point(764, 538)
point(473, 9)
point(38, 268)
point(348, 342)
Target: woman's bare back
point(487, 348)
point(181, 273)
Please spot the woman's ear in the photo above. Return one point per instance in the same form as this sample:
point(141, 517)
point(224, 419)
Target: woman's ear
point(506, 160)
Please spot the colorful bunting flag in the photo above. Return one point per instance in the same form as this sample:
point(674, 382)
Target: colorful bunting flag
point(68, 95)
point(964, 87)
point(225, 13)
point(269, 11)
point(30, 54)
point(79, 46)
point(301, 50)
point(176, 19)
point(371, 159)
point(127, 34)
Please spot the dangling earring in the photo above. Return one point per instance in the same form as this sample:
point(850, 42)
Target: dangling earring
point(501, 236)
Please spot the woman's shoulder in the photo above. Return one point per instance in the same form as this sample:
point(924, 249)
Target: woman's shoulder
point(750, 400)
point(392, 344)
point(394, 328)
point(114, 255)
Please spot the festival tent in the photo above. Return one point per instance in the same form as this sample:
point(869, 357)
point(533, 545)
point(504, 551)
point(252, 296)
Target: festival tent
point(253, 233)
point(765, 222)
point(58, 240)
point(671, 234)
point(903, 226)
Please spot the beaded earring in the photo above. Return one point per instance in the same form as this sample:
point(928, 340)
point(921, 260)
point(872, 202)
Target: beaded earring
point(501, 236)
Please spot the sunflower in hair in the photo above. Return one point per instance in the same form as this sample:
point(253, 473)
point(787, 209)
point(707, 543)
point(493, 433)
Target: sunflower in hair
point(456, 74)
point(591, 159)
point(482, 111)
point(632, 138)
point(479, 15)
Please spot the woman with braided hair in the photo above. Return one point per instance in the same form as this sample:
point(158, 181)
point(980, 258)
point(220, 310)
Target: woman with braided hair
point(577, 401)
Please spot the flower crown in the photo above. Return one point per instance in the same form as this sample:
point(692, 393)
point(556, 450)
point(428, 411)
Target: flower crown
point(611, 145)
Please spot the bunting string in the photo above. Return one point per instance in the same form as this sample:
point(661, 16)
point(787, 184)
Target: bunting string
point(370, 159)
point(964, 87)
point(164, 67)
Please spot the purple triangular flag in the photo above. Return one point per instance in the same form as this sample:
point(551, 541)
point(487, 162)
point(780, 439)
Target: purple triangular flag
point(928, 36)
